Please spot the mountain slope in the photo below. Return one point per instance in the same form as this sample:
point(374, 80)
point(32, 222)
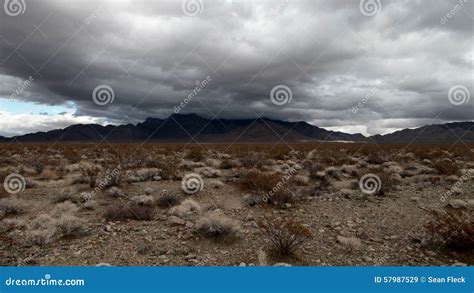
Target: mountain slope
point(193, 128)
point(439, 133)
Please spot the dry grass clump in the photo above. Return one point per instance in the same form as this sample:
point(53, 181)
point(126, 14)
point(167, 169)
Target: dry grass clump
point(285, 237)
point(169, 168)
point(447, 167)
point(258, 182)
point(195, 154)
point(38, 164)
point(215, 224)
point(167, 200)
point(186, 209)
point(452, 227)
point(12, 206)
point(62, 222)
point(375, 159)
point(90, 173)
point(388, 183)
point(65, 195)
point(115, 192)
point(143, 200)
point(129, 211)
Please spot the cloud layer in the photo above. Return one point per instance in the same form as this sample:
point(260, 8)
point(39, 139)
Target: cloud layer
point(346, 70)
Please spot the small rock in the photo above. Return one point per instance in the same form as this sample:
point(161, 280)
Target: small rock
point(242, 264)
point(103, 264)
point(459, 264)
point(176, 221)
point(458, 204)
point(352, 242)
point(282, 264)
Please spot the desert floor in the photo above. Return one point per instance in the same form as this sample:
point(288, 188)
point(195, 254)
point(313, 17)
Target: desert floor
point(134, 205)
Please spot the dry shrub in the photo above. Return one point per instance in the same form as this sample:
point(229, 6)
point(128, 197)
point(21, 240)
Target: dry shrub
point(167, 200)
point(129, 211)
point(284, 236)
point(375, 159)
point(195, 154)
point(61, 223)
point(90, 173)
point(38, 164)
point(12, 206)
point(186, 209)
point(258, 182)
point(169, 168)
point(113, 177)
point(388, 183)
point(214, 224)
point(447, 167)
point(453, 227)
point(49, 174)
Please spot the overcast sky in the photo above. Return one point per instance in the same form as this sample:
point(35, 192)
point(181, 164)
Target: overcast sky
point(369, 67)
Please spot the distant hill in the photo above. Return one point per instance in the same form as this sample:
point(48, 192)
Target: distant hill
point(193, 128)
point(439, 133)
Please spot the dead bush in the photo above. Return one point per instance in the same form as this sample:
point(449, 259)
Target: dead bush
point(12, 206)
point(447, 167)
point(214, 224)
point(195, 154)
point(375, 159)
point(90, 173)
point(255, 181)
point(452, 227)
point(167, 200)
point(285, 237)
point(129, 211)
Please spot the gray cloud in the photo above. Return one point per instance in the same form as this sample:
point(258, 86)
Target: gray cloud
point(400, 62)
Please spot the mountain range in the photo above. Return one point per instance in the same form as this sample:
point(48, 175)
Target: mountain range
point(183, 128)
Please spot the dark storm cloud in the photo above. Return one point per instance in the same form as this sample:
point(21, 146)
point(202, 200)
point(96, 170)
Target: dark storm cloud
point(395, 67)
